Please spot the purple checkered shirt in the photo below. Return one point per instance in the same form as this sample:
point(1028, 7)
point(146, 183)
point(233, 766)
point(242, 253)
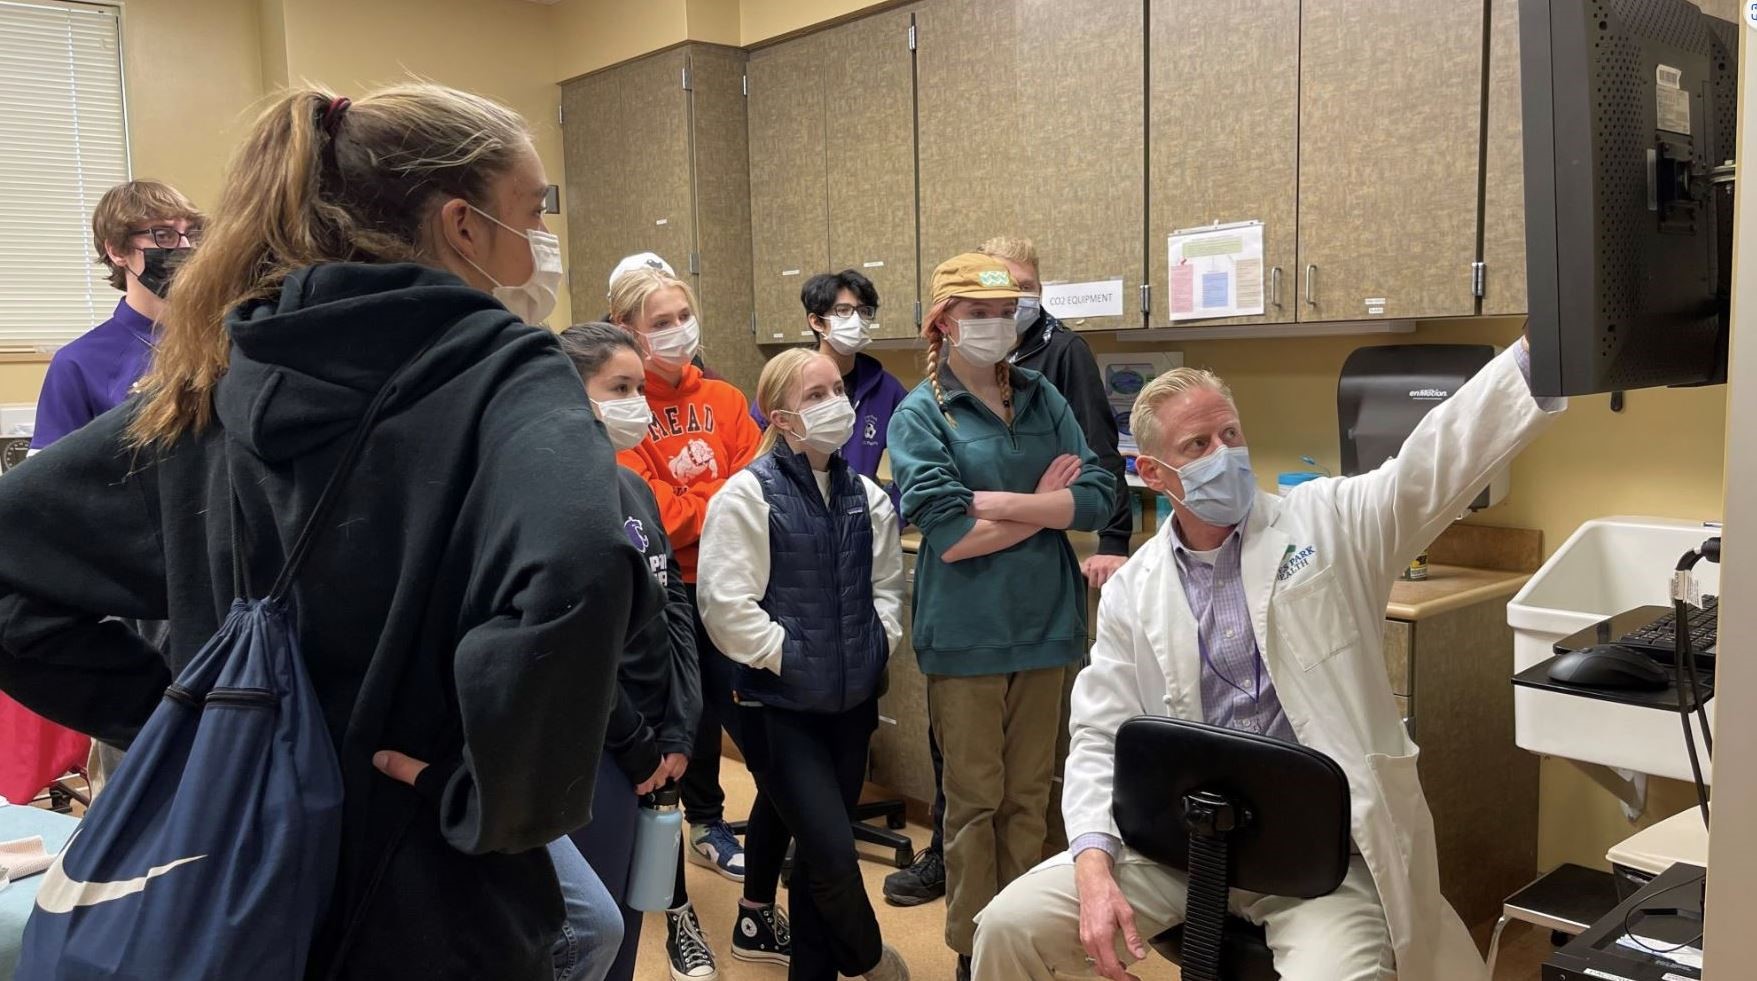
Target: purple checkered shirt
point(1236, 690)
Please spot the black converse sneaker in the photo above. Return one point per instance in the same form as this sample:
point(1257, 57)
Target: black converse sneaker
point(762, 935)
point(691, 958)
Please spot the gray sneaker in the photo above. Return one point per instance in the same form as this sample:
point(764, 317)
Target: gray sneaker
point(890, 967)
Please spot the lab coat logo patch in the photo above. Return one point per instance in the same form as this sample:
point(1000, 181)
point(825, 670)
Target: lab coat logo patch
point(1298, 557)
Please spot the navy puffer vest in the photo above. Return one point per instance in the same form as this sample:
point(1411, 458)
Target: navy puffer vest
point(820, 589)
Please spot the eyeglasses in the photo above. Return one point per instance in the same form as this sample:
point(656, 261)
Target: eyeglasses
point(849, 310)
point(166, 237)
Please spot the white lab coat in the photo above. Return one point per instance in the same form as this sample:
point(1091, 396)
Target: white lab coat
point(1318, 567)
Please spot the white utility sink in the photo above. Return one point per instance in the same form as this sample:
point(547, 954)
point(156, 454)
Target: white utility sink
point(1606, 567)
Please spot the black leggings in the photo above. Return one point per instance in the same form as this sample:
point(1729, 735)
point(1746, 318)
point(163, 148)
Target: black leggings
point(812, 766)
point(765, 836)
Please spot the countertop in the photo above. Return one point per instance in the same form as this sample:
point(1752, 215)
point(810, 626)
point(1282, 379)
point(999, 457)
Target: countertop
point(1447, 588)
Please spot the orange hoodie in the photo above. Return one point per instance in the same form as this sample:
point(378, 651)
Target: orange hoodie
point(701, 434)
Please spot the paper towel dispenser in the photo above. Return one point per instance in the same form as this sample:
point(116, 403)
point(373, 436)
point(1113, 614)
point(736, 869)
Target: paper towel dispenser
point(1385, 391)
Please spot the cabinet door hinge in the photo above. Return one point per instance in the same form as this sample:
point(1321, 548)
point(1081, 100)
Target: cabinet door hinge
point(1146, 298)
point(1478, 278)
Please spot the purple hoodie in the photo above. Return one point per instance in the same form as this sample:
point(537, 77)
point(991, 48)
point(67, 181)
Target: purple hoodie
point(876, 393)
point(93, 375)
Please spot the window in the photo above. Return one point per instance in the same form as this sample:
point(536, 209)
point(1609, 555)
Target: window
point(63, 143)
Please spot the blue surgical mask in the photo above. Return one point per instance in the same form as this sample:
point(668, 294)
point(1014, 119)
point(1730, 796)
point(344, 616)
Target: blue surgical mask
point(1025, 317)
point(1219, 488)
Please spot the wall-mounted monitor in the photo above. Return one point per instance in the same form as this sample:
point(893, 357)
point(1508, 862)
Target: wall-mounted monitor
point(1628, 117)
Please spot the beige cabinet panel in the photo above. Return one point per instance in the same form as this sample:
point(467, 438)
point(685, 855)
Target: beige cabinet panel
point(1390, 123)
point(722, 216)
point(1031, 122)
point(971, 141)
point(1224, 136)
point(1399, 641)
point(625, 136)
point(869, 122)
point(1503, 204)
point(789, 222)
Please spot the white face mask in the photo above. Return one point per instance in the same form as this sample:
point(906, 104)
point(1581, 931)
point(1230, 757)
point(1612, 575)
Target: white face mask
point(828, 424)
point(848, 335)
point(674, 346)
point(624, 419)
point(533, 300)
point(986, 341)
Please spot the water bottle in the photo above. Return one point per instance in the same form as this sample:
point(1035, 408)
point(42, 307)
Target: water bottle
point(658, 839)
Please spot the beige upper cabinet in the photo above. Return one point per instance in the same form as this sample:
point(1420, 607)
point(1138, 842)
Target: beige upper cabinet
point(1390, 135)
point(869, 152)
point(1223, 135)
point(1031, 123)
point(1503, 201)
point(789, 220)
point(626, 140)
point(719, 139)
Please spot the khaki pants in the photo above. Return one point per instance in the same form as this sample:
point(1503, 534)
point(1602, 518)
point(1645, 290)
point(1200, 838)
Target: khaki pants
point(998, 735)
point(1031, 932)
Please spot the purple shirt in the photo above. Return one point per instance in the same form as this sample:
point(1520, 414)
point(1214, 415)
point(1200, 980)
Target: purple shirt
point(93, 375)
point(1236, 690)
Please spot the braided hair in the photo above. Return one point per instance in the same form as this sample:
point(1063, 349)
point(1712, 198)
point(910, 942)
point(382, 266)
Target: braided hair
point(936, 339)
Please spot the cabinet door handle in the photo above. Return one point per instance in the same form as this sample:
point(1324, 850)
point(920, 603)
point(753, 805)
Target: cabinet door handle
point(1312, 285)
point(1275, 286)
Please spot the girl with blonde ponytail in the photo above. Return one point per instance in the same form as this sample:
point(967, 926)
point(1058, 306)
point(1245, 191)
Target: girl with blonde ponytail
point(993, 469)
point(461, 615)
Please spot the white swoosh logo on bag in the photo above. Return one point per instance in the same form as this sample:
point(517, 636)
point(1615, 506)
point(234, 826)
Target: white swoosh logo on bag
point(59, 894)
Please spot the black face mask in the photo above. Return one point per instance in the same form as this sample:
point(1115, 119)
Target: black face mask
point(161, 266)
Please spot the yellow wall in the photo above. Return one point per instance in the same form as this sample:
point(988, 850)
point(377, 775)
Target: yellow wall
point(764, 19)
point(594, 34)
point(713, 21)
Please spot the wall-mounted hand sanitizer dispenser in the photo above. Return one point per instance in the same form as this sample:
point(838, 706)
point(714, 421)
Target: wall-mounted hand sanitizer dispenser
point(1385, 391)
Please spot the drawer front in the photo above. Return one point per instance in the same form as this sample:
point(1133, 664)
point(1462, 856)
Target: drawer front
point(1399, 637)
point(899, 757)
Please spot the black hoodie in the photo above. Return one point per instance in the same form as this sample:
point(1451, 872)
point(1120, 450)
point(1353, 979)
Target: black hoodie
point(467, 604)
point(1062, 356)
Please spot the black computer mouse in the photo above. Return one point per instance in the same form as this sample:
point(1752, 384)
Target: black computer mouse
point(1609, 666)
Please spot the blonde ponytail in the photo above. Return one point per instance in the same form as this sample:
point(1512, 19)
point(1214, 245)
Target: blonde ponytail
point(317, 179)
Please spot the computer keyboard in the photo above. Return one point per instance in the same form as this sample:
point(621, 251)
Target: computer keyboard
point(1660, 634)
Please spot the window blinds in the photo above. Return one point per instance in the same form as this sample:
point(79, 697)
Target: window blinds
point(63, 143)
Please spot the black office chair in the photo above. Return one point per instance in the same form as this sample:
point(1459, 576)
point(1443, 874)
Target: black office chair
point(1233, 810)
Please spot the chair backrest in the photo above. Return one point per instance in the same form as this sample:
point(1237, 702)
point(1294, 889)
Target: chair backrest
point(1295, 840)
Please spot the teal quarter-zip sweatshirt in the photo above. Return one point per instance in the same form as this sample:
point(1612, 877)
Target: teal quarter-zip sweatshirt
point(1019, 609)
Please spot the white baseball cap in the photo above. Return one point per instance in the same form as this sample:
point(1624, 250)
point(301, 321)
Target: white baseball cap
point(640, 260)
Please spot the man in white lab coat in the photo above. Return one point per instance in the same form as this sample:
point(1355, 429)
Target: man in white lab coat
point(1263, 613)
